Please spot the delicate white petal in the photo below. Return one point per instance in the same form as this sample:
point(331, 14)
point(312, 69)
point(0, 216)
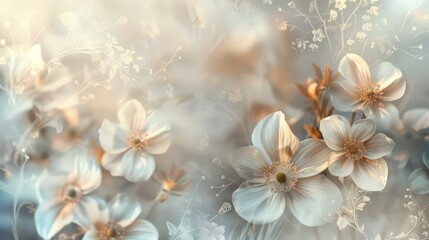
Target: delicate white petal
point(158, 132)
point(390, 80)
point(112, 137)
point(370, 175)
point(141, 229)
point(344, 96)
point(88, 212)
point(416, 119)
point(355, 70)
point(311, 158)
point(137, 166)
point(419, 181)
point(335, 130)
point(378, 146)
point(87, 170)
point(248, 162)
point(113, 163)
point(132, 116)
point(384, 116)
point(123, 210)
point(363, 129)
point(274, 138)
point(257, 204)
point(341, 166)
point(51, 217)
point(314, 200)
point(48, 186)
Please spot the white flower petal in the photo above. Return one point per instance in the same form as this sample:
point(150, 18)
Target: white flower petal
point(274, 138)
point(141, 229)
point(158, 132)
point(123, 210)
point(383, 116)
point(390, 80)
point(335, 130)
point(314, 200)
point(363, 129)
point(132, 116)
point(378, 146)
point(355, 70)
point(51, 217)
point(48, 186)
point(419, 181)
point(87, 170)
point(88, 213)
point(113, 163)
point(137, 166)
point(344, 96)
point(341, 166)
point(370, 175)
point(311, 158)
point(257, 204)
point(416, 119)
point(112, 137)
point(248, 162)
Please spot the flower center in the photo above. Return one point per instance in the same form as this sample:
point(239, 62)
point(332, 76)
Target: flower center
point(138, 142)
point(354, 149)
point(71, 192)
point(370, 94)
point(281, 176)
point(111, 231)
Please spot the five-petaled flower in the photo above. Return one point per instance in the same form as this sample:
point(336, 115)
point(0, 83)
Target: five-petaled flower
point(117, 220)
point(65, 191)
point(129, 146)
point(359, 93)
point(357, 151)
point(280, 171)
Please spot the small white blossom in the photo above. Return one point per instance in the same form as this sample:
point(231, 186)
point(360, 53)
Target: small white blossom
point(340, 4)
point(318, 35)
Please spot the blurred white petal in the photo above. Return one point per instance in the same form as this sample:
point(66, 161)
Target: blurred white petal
point(132, 116)
point(419, 181)
point(248, 162)
point(113, 139)
point(51, 217)
point(370, 175)
point(123, 210)
point(141, 229)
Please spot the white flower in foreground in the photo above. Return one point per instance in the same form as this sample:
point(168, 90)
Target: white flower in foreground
point(63, 193)
point(419, 178)
point(371, 94)
point(280, 171)
point(211, 231)
point(130, 145)
point(117, 220)
point(357, 151)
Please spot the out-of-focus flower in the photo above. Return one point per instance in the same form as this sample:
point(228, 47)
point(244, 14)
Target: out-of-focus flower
point(340, 4)
point(411, 134)
point(211, 231)
point(280, 171)
point(130, 145)
point(64, 192)
point(318, 35)
point(173, 182)
point(117, 220)
point(333, 16)
point(359, 93)
point(419, 178)
point(345, 217)
point(357, 151)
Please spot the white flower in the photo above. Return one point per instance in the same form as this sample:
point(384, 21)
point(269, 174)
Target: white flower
point(350, 42)
point(211, 231)
point(340, 4)
point(357, 151)
point(117, 220)
point(64, 192)
point(318, 35)
point(280, 171)
point(360, 35)
point(129, 146)
point(367, 27)
point(419, 178)
point(373, 10)
point(359, 93)
point(332, 16)
point(345, 217)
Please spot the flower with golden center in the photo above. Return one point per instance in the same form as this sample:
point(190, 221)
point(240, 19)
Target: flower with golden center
point(130, 145)
point(357, 151)
point(280, 171)
point(64, 191)
point(117, 220)
point(360, 91)
point(173, 182)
